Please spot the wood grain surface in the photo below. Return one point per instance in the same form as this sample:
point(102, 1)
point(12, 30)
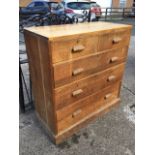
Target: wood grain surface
point(58, 32)
point(69, 71)
point(63, 95)
point(76, 72)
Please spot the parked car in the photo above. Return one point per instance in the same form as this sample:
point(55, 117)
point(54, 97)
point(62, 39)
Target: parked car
point(36, 7)
point(96, 9)
point(41, 12)
point(78, 7)
point(42, 7)
point(56, 8)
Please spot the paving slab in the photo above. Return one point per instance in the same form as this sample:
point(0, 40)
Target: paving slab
point(112, 134)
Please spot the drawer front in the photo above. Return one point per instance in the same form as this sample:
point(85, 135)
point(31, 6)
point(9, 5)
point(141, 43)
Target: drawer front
point(75, 91)
point(114, 40)
point(79, 110)
point(70, 49)
point(70, 71)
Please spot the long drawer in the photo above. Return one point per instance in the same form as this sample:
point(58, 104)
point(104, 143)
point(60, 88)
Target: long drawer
point(67, 72)
point(71, 114)
point(79, 89)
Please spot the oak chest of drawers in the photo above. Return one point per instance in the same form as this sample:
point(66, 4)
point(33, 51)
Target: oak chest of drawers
point(76, 72)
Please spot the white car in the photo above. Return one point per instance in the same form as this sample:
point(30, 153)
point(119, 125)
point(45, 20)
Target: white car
point(78, 8)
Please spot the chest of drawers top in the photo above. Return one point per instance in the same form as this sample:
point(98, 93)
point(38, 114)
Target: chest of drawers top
point(67, 42)
point(76, 30)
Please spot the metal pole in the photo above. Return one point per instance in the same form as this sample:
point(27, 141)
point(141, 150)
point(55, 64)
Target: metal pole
point(106, 13)
point(123, 12)
point(31, 97)
point(21, 94)
point(89, 15)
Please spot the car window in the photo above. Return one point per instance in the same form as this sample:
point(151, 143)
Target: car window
point(60, 6)
point(31, 5)
point(78, 5)
point(93, 4)
point(38, 4)
point(53, 5)
point(63, 3)
point(56, 5)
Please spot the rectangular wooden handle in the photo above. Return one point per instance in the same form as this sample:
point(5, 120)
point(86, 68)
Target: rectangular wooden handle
point(77, 92)
point(113, 59)
point(77, 71)
point(111, 78)
point(116, 40)
point(78, 48)
point(107, 96)
point(76, 113)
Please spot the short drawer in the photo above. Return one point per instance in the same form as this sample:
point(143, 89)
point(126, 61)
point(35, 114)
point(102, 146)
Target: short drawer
point(67, 72)
point(71, 114)
point(79, 89)
point(73, 48)
point(117, 39)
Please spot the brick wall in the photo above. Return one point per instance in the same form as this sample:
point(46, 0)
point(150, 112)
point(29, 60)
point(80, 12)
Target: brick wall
point(24, 3)
point(129, 3)
point(116, 3)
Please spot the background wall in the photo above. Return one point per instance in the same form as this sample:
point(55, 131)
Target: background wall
point(104, 3)
point(114, 3)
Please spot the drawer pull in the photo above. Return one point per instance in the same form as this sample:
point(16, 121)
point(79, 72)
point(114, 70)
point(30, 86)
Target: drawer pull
point(107, 96)
point(77, 92)
point(78, 48)
point(77, 71)
point(116, 40)
point(76, 113)
point(111, 78)
point(113, 59)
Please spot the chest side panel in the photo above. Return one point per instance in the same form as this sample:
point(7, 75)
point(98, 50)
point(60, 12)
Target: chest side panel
point(41, 75)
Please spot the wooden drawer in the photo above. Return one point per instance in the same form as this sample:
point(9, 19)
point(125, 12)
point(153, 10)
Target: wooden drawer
point(67, 72)
point(73, 113)
point(82, 88)
point(73, 48)
point(117, 39)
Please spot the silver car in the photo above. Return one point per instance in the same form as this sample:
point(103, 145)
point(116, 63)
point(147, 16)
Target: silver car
point(78, 9)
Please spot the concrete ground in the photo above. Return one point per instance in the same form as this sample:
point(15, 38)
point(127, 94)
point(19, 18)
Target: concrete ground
point(111, 134)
